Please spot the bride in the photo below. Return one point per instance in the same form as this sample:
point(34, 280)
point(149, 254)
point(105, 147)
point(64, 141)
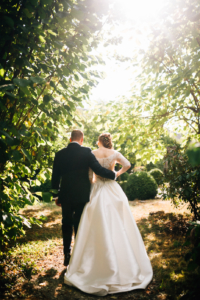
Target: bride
point(109, 255)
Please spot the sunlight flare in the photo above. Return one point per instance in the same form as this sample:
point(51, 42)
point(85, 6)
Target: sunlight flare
point(142, 9)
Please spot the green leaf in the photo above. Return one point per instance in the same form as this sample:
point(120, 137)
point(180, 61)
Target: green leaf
point(37, 80)
point(26, 153)
point(46, 98)
point(7, 87)
point(51, 32)
point(42, 39)
point(2, 132)
point(75, 98)
point(24, 132)
point(9, 21)
point(16, 155)
point(82, 90)
point(38, 193)
point(84, 76)
point(21, 82)
point(34, 2)
point(66, 71)
point(187, 93)
point(10, 94)
point(27, 13)
point(2, 72)
point(54, 191)
point(47, 197)
point(76, 77)
point(62, 14)
point(25, 90)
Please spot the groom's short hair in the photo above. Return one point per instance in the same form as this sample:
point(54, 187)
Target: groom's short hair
point(76, 135)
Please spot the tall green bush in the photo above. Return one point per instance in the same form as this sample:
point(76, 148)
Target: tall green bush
point(141, 185)
point(183, 179)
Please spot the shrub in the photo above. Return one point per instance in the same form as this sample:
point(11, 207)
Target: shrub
point(141, 185)
point(183, 180)
point(193, 261)
point(124, 176)
point(123, 185)
point(150, 166)
point(157, 175)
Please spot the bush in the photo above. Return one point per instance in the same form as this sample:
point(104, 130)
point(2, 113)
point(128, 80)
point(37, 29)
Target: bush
point(182, 179)
point(150, 166)
point(193, 261)
point(123, 185)
point(141, 185)
point(157, 175)
point(124, 176)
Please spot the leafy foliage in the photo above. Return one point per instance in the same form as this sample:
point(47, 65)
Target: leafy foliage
point(124, 176)
point(150, 166)
point(169, 77)
point(170, 66)
point(194, 156)
point(157, 175)
point(183, 180)
point(45, 73)
point(193, 260)
point(165, 93)
point(141, 185)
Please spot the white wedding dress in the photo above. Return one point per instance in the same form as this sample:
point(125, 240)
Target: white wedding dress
point(109, 255)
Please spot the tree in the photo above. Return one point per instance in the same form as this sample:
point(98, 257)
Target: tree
point(170, 77)
point(44, 75)
point(166, 91)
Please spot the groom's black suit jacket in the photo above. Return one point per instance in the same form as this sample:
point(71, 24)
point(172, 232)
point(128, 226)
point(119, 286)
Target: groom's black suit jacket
point(70, 173)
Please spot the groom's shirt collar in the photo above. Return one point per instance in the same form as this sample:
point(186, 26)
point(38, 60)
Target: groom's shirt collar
point(75, 142)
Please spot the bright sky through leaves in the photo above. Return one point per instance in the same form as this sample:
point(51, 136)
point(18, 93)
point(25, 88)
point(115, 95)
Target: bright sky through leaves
point(118, 77)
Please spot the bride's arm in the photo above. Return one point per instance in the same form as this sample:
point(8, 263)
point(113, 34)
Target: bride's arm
point(124, 162)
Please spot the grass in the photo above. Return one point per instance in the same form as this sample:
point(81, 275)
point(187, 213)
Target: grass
point(34, 268)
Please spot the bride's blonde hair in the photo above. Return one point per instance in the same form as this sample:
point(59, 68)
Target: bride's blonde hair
point(106, 140)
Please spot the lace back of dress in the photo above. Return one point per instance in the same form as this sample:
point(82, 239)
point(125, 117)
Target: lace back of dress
point(108, 163)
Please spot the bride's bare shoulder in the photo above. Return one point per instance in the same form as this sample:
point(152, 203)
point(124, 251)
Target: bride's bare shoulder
point(95, 151)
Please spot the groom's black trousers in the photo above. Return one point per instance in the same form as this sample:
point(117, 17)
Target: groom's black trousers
point(71, 214)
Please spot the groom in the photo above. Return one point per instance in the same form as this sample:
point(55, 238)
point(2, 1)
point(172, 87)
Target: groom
point(70, 177)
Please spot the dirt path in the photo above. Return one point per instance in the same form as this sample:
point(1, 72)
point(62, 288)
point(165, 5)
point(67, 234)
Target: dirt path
point(39, 256)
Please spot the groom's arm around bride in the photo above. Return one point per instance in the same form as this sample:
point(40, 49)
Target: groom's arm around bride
point(71, 167)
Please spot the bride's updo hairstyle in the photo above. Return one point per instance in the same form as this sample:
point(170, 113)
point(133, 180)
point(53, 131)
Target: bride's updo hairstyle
point(106, 140)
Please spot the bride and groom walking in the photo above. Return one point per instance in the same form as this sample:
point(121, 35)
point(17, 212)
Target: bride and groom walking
point(109, 255)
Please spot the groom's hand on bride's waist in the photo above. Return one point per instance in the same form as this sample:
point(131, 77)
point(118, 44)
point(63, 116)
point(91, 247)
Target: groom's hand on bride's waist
point(57, 203)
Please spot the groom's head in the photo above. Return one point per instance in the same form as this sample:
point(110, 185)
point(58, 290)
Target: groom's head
point(77, 136)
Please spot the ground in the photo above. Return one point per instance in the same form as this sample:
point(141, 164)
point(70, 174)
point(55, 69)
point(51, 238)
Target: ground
point(34, 269)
